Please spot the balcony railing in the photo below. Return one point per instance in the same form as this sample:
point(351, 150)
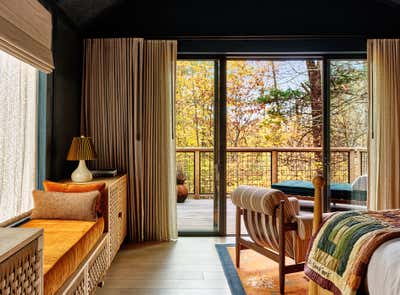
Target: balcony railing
point(264, 166)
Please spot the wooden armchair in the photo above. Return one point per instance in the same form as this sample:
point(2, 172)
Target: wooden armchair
point(275, 226)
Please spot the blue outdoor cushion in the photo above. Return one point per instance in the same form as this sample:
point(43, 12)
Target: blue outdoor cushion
point(339, 191)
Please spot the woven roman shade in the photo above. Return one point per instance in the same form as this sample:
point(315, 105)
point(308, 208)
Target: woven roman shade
point(25, 32)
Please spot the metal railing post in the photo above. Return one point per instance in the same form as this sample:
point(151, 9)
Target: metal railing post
point(354, 156)
point(353, 165)
point(274, 166)
point(197, 172)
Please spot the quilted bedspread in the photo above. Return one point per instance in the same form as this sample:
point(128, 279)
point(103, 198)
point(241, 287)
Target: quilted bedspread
point(339, 253)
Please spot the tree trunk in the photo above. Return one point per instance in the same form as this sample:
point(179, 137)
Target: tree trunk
point(274, 75)
point(314, 76)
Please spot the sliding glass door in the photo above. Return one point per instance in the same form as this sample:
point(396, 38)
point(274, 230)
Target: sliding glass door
point(348, 134)
point(196, 94)
point(270, 122)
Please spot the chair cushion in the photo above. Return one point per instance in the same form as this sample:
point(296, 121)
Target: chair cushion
point(294, 202)
point(262, 200)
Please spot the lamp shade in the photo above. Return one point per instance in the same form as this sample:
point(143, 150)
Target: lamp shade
point(81, 148)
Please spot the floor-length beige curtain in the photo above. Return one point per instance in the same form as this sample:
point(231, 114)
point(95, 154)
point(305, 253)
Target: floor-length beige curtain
point(127, 107)
point(384, 124)
point(159, 64)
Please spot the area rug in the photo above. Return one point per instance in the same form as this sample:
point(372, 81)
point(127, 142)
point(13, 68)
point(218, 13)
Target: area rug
point(257, 274)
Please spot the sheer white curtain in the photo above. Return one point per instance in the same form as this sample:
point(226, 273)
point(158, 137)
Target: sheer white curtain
point(18, 101)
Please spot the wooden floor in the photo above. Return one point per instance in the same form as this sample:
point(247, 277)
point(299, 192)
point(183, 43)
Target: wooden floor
point(198, 215)
point(187, 266)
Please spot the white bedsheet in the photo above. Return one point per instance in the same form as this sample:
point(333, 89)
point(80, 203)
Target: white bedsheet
point(383, 274)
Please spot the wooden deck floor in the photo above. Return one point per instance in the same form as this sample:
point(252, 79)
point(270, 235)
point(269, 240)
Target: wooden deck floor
point(198, 215)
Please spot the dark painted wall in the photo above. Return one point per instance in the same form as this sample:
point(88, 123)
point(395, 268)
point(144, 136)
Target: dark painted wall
point(363, 18)
point(63, 95)
point(250, 17)
point(66, 96)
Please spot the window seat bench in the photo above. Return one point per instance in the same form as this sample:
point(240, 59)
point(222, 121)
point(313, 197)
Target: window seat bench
point(66, 244)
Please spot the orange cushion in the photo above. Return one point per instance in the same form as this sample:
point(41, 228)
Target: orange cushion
point(50, 186)
point(66, 244)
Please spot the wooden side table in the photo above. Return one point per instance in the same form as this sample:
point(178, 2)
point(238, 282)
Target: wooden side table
point(21, 261)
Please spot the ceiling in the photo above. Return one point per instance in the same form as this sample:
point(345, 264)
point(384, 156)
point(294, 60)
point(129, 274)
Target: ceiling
point(87, 13)
point(82, 12)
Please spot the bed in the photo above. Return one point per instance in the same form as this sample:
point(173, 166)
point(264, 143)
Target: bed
point(382, 266)
point(66, 244)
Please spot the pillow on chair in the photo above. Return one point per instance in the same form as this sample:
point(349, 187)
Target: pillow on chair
point(50, 186)
point(70, 206)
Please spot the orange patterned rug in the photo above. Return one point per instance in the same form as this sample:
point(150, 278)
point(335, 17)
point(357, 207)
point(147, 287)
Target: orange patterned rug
point(258, 274)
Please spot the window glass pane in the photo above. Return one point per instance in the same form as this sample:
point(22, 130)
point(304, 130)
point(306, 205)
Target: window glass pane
point(195, 94)
point(18, 99)
point(348, 133)
point(274, 126)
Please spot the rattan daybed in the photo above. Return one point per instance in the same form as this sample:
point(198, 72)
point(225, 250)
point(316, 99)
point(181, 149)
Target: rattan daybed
point(67, 243)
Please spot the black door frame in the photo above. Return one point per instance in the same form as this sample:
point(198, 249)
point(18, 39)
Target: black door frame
point(219, 212)
point(326, 203)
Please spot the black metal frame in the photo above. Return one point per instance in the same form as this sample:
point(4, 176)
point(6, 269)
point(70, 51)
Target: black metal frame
point(220, 124)
point(220, 149)
point(219, 226)
point(326, 137)
point(326, 127)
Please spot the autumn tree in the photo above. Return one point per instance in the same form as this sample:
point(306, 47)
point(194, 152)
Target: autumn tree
point(349, 104)
point(245, 82)
point(195, 103)
point(271, 104)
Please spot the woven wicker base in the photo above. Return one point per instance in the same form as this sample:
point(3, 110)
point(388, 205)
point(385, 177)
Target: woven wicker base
point(91, 271)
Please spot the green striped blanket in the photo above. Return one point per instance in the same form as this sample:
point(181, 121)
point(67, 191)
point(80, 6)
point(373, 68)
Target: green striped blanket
point(340, 251)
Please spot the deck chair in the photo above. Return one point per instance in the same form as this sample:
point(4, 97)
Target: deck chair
point(275, 226)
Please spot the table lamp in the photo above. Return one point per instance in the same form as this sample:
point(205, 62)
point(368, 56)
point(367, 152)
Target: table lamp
point(81, 149)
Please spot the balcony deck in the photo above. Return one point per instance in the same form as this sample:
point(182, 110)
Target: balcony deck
point(197, 215)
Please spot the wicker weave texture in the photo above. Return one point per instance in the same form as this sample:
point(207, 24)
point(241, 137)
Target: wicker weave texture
point(21, 273)
point(80, 285)
point(86, 278)
point(117, 218)
point(98, 266)
point(113, 219)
